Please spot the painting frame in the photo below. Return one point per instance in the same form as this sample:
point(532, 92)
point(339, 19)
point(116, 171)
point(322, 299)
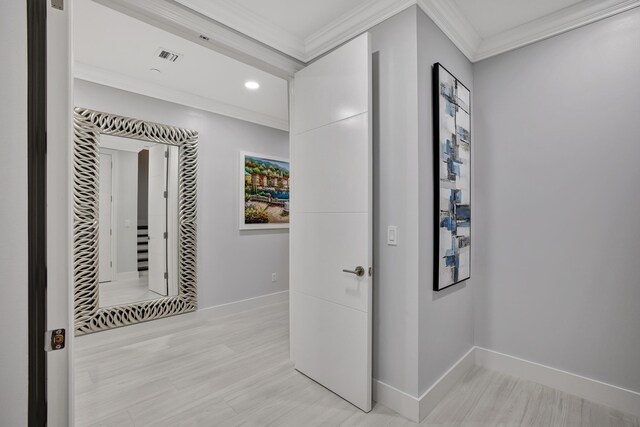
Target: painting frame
point(242, 224)
point(459, 194)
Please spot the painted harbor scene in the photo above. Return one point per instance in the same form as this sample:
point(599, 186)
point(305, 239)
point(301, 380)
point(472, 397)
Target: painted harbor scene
point(266, 191)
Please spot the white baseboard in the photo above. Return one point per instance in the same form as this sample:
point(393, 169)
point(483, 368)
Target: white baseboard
point(127, 275)
point(596, 391)
point(399, 401)
point(437, 391)
point(417, 408)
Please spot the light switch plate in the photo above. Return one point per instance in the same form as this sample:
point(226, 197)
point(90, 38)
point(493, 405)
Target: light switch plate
point(392, 235)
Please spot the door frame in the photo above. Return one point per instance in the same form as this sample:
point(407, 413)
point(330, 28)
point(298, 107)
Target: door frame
point(246, 50)
point(59, 176)
point(37, 209)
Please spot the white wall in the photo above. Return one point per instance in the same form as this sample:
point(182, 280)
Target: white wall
point(13, 215)
point(557, 139)
point(446, 317)
point(395, 142)
point(232, 265)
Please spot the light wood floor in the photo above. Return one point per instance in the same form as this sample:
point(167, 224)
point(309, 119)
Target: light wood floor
point(125, 292)
point(222, 367)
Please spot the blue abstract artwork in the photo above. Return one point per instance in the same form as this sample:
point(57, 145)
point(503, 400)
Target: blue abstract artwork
point(453, 183)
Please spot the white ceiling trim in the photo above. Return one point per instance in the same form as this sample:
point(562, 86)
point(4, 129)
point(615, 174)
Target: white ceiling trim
point(451, 21)
point(246, 21)
point(572, 17)
point(352, 24)
point(180, 19)
point(448, 17)
point(120, 81)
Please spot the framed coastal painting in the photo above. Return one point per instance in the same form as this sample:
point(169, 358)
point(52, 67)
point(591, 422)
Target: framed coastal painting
point(452, 155)
point(264, 191)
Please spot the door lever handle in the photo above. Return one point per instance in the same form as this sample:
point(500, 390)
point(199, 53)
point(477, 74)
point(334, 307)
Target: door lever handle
point(359, 271)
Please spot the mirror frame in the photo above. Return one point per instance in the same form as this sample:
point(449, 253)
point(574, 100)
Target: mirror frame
point(88, 316)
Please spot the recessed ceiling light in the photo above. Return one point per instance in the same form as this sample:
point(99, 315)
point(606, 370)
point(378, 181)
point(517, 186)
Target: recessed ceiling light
point(252, 85)
point(155, 70)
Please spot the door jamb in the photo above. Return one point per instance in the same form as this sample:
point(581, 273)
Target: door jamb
point(37, 208)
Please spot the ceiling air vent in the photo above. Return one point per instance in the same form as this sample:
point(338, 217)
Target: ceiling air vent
point(166, 54)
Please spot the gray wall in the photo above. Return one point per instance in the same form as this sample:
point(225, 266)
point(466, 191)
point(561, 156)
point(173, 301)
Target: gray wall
point(418, 334)
point(395, 345)
point(557, 138)
point(232, 265)
point(446, 317)
point(13, 215)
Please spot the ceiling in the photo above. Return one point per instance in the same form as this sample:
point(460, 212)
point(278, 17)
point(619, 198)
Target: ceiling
point(485, 28)
point(117, 50)
point(285, 18)
point(305, 29)
point(489, 18)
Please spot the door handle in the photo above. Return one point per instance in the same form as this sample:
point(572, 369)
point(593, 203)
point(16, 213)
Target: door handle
point(359, 271)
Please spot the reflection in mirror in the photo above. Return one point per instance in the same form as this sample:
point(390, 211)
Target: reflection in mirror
point(138, 218)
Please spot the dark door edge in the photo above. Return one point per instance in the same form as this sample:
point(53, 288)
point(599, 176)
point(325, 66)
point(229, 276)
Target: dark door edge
point(36, 210)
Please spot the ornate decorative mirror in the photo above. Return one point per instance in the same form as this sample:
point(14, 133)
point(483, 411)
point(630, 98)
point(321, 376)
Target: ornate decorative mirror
point(134, 221)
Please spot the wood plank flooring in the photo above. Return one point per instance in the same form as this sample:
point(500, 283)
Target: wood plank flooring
point(125, 292)
point(230, 367)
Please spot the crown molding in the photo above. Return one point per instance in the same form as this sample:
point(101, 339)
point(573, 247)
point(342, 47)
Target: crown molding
point(578, 15)
point(351, 25)
point(188, 24)
point(242, 34)
point(448, 17)
point(246, 21)
point(142, 87)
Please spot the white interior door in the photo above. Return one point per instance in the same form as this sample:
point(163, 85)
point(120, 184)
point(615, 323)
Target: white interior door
point(172, 219)
point(157, 215)
point(105, 270)
point(331, 225)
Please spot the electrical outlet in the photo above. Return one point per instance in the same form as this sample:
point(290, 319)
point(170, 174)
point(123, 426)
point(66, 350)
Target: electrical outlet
point(274, 278)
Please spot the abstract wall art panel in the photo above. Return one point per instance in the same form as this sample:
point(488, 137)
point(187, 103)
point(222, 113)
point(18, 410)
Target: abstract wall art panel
point(452, 154)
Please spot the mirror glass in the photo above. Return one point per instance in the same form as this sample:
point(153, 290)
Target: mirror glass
point(138, 218)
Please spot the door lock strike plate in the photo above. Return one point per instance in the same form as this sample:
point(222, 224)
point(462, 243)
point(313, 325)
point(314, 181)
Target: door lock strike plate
point(54, 340)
